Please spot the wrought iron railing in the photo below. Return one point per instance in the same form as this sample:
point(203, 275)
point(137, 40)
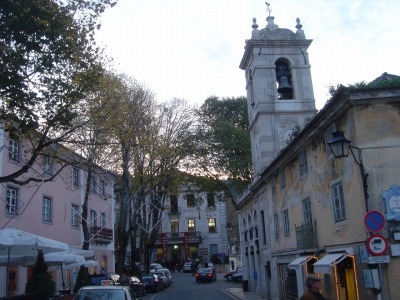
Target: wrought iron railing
point(306, 236)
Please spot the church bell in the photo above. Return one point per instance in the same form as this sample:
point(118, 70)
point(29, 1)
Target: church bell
point(284, 85)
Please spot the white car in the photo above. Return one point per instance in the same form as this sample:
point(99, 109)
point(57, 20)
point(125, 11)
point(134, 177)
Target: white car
point(168, 273)
point(187, 267)
point(105, 292)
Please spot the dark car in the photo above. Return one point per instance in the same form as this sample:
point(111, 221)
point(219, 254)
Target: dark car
point(135, 284)
point(152, 283)
point(206, 274)
point(229, 275)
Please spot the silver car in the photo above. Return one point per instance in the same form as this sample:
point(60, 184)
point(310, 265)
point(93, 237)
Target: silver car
point(105, 292)
point(168, 273)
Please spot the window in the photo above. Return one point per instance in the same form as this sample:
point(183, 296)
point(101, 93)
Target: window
point(46, 209)
point(103, 220)
point(75, 177)
point(48, 165)
point(13, 148)
point(276, 222)
point(92, 184)
point(74, 215)
point(212, 228)
point(190, 200)
point(303, 163)
point(286, 226)
point(282, 178)
point(174, 203)
point(12, 201)
point(210, 200)
point(191, 225)
point(307, 214)
point(174, 226)
point(273, 186)
point(102, 188)
point(338, 202)
point(93, 218)
point(264, 235)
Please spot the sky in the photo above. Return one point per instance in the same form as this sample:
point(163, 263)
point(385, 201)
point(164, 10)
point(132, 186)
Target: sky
point(192, 49)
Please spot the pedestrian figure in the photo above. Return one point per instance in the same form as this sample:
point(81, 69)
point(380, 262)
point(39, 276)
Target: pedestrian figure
point(193, 266)
point(313, 284)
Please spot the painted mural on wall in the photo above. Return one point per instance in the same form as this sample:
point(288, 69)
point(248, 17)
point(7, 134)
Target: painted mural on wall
point(392, 199)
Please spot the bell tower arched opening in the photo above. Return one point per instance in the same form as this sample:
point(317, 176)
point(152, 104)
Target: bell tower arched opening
point(283, 79)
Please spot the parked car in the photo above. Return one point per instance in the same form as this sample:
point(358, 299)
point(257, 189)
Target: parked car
point(162, 275)
point(152, 283)
point(99, 292)
point(187, 267)
point(238, 276)
point(206, 274)
point(228, 275)
point(97, 279)
point(134, 283)
point(168, 273)
point(208, 265)
point(155, 266)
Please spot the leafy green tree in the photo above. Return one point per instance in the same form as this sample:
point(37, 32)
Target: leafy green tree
point(48, 62)
point(41, 281)
point(223, 150)
point(82, 279)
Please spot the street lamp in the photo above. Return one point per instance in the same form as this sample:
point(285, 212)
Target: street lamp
point(340, 147)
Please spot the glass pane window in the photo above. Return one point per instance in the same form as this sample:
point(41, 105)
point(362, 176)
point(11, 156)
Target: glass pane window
point(190, 200)
point(191, 225)
point(303, 163)
point(13, 149)
point(102, 189)
point(74, 215)
point(338, 202)
point(307, 214)
point(92, 184)
point(12, 201)
point(103, 220)
point(282, 178)
point(210, 200)
point(46, 209)
point(276, 223)
point(212, 225)
point(286, 222)
point(75, 177)
point(48, 165)
point(93, 218)
point(174, 226)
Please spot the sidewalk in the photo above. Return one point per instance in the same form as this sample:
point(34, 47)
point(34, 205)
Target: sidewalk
point(238, 293)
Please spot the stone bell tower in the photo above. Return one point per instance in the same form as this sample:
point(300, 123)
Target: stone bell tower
point(279, 88)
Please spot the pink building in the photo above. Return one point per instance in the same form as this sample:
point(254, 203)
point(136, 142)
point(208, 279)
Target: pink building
point(53, 209)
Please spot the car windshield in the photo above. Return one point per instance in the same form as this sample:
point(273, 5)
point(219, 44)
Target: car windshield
point(204, 270)
point(147, 278)
point(100, 294)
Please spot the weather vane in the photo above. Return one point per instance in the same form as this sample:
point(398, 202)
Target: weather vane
point(269, 9)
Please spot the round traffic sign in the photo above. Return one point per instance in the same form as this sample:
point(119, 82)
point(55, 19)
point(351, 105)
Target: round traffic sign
point(377, 245)
point(374, 221)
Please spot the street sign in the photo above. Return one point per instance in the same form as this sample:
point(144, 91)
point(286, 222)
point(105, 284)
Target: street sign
point(377, 245)
point(384, 259)
point(374, 221)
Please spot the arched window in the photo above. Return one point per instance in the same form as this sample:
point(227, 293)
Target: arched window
point(284, 79)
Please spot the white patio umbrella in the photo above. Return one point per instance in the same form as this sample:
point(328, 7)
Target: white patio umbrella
point(15, 243)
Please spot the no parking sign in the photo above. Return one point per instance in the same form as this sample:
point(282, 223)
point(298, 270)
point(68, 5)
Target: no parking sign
point(374, 221)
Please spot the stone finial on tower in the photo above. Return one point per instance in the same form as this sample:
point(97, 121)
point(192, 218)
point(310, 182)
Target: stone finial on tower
point(300, 32)
point(255, 25)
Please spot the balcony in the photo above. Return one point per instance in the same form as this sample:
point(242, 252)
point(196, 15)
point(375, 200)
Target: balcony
point(306, 236)
point(101, 235)
point(177, 238)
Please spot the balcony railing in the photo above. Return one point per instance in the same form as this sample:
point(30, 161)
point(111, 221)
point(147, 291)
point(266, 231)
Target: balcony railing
point(177, 237)
point(101, 235)
point(306, 236)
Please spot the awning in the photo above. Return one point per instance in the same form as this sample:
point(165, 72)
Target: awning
point(298, 262)
point(325, 264)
